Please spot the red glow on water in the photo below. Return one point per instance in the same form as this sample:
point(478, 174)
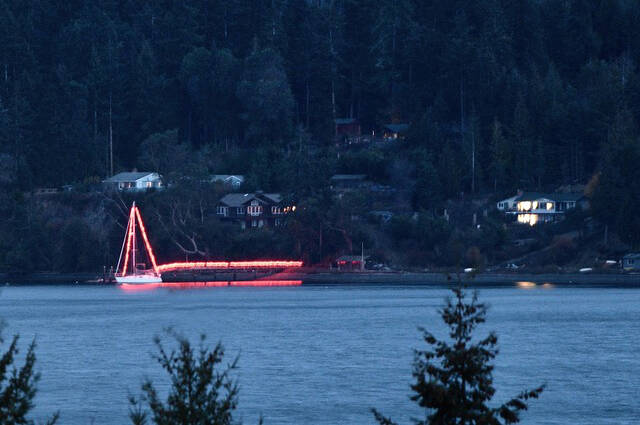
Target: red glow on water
point(229, 264)
point(213, 284)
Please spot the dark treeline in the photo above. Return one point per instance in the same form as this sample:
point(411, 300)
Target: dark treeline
point(535, 85)
point(501, 95)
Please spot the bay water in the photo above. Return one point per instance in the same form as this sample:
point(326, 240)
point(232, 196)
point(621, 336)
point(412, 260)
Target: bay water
point(328, 354)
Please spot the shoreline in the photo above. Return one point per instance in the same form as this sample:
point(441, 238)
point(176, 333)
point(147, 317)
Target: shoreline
point(317, 278)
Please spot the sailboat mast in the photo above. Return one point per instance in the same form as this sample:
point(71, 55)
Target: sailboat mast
point(133, 217)
point(124, 242)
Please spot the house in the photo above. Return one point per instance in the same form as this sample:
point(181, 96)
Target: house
point(533, 207)
point(346, 128)
point(631, 262)
point(134, 181)
point(508, 204)
point(351, 262)
point(341, 182)
point(395, 131)
point(253, 209)
point(233, 181)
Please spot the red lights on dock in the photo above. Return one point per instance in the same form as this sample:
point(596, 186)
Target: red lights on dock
point(141, 276)
point(273, 264)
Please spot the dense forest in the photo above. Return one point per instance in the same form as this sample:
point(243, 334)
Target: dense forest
point(500, 94)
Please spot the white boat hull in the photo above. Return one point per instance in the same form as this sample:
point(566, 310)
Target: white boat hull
point(138, 279)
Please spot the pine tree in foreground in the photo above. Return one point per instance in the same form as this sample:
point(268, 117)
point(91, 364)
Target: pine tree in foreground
point(200, 393)
point(18, 385)
point(454, 379)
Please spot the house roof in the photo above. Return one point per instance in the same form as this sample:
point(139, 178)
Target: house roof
point(344, 121)
point(128, 176)
point(532, 196)
point(240, 199)
point(397, 128)
point(337, 177)
point(225, 177)
point(513, 198)
point(632, 256)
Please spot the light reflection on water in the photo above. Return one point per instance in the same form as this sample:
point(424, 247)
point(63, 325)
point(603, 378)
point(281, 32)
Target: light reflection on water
point(213, 284)
point(327, 354)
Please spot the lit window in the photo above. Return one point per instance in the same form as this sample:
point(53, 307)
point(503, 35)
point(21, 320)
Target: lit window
point(254, 210)
point(524, 206)
point(549, 206)
point(534, 205)
point(149, 184)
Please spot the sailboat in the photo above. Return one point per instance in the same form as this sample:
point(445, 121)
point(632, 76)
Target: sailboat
point(137, 272)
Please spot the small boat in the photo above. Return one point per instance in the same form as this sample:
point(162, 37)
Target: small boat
point(138, 274)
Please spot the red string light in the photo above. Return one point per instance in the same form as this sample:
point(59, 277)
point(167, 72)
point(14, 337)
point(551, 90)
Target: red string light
point(229, 265)
point(146, 241)
point(134, 215)
point(129, 238)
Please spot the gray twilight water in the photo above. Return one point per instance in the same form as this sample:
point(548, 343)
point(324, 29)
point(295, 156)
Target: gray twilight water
point(326, 355)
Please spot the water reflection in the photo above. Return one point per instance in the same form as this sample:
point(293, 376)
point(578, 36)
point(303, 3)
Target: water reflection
point(524, 284)
point(189, 285)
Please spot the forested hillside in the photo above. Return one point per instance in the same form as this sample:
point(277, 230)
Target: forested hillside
point(500, 95)
point(536, 84)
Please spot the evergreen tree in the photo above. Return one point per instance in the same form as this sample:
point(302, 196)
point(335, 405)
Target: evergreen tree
point(266, 98)
point(454, 379)
point(200, 392)
point(18, 386)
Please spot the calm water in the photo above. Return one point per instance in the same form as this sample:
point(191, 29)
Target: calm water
point(325, 355)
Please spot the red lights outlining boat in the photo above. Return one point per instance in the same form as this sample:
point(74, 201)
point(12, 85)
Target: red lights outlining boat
point(140, 276)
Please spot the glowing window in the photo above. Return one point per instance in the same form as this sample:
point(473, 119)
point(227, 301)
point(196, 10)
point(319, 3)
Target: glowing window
point(549, 206)
point(254, 210)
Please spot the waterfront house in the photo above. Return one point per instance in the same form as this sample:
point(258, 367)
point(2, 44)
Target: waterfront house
point(233, 181)
point(255, 210)
point(508, 204)
point(533, 207)
point(631, 262)
point(397, 131)
point(351, 262)
point(134, 181)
